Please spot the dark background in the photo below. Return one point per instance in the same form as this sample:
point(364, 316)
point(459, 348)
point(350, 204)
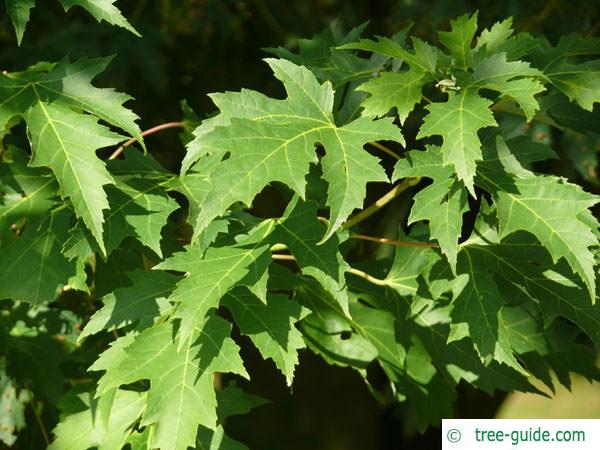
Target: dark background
point(193, 47)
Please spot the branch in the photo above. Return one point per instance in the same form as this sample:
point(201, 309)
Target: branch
point(381, 202)
point(162, 126)
point(394, 242)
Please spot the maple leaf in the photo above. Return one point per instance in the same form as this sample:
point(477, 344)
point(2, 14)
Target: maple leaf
point(211, 274)
point(270, 326)
point(300, 231)
point(25, 193)
point(442, 203)
point(460, 39)
point(140, 303)
point(515, 79)
point(51, 99)
point(550, 208)
point(274, 140)
point(85, 429)
point(492, 39)
point(562, 65)
point(32, 267)
point(322, 55)
point(19, 11)
point(458, 120)
point(181, 394)
point(400, 90)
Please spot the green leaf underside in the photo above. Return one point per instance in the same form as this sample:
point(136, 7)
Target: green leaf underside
point(274, 140)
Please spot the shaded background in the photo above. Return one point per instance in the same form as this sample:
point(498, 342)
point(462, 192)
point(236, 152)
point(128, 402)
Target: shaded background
point(193, 47)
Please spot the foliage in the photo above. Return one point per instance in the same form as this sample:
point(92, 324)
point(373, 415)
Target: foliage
point(490, 280)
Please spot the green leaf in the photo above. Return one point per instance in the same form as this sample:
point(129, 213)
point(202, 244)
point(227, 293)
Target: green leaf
point(18, 10)
point(423, 59)
point(101, 10)
point(400, 90)
point(216, 440)
point(270, 326)
point(478, 304)
point(495, 37)
point(181, 394)
point(233, 401)
point(513, 79)
point(272, 140)
point(458, 120)
point(69, 150)
point(52, 98)
point(211, 275)
point(140, 303)
point(25, 193)
point(442, 203)
point(86, 429)
point(460, 39)
point(321, 56)
point(300, 231)
point(32, 268)
point(548, 207)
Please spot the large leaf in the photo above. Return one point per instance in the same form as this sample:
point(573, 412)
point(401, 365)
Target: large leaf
point(52, 98)
point(274, 140)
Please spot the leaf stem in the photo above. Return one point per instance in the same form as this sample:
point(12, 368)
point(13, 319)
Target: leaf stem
point(352, 270)
point(393, 241)
point(384, 149)
point(283, 257)
point(162, 126)
point(381, 202)
point(366, 276)
point(38, 419)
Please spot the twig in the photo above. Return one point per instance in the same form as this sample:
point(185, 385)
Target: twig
point(393, 241)
point(162, 126)
point(381, 202)
point(384, 149)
